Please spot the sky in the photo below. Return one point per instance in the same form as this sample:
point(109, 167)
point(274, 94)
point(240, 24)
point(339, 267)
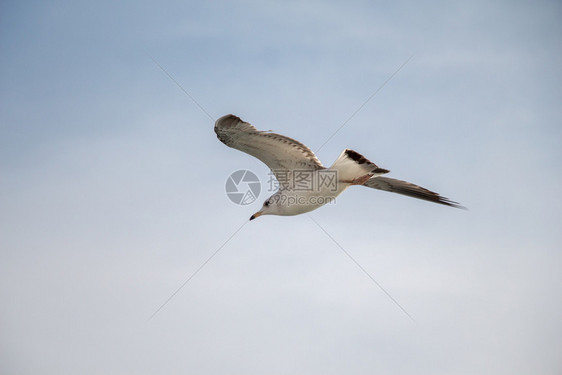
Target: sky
point(112, 188)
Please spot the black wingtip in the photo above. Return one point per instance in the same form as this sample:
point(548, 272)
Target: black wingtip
point(448, 202)
point(227, 121)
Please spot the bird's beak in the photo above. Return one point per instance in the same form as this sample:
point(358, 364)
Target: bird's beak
point(257, 214)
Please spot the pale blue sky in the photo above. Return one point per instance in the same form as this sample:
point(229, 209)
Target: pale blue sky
point(112, 188)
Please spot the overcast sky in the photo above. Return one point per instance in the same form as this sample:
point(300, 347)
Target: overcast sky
point(112, 188)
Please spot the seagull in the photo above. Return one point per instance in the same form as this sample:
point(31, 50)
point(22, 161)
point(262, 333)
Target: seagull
point(304, 183)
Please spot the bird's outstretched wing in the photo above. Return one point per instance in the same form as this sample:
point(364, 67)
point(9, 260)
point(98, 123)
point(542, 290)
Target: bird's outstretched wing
point(281, 154)
point(409, 189)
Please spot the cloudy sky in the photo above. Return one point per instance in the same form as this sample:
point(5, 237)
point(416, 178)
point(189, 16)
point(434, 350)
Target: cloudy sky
point(112, 188)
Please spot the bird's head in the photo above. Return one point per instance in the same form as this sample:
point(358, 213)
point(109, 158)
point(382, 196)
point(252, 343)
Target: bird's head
point(270, 207)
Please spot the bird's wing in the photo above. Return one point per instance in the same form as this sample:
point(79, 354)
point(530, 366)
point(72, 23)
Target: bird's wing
point(281, 154)
point(409, 189)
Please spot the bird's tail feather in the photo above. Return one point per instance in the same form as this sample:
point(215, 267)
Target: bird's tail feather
point(354, 168)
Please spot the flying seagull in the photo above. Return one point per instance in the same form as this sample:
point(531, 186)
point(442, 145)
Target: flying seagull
point(304, 183)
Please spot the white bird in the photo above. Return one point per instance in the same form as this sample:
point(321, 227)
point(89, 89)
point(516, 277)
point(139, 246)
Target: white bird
point(304, 183)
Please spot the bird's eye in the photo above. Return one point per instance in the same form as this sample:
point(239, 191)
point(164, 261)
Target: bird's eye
point(266, 203)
